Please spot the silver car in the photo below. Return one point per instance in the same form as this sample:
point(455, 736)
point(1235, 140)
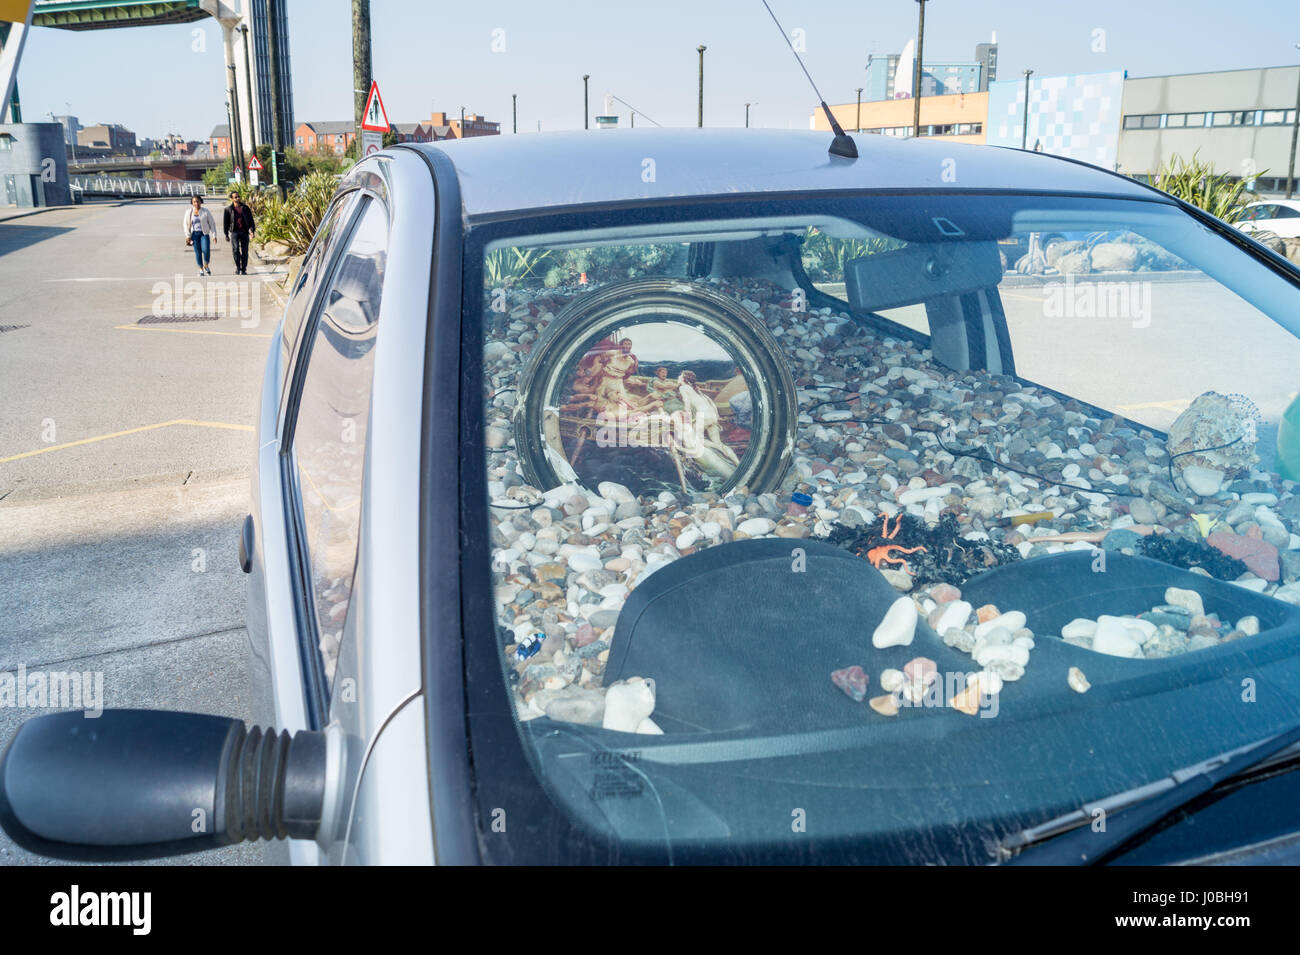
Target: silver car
point(701, 496)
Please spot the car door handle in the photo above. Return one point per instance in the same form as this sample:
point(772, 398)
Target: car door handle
point(246, 545)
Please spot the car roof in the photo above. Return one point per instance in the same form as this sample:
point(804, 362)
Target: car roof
point(509, 173)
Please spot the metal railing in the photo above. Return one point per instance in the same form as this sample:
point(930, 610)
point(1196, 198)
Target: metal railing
point(142, 160)
point(128, 186)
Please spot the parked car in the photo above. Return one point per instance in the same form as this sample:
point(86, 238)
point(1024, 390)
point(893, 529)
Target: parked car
point(585, 528)
point(1278, 216)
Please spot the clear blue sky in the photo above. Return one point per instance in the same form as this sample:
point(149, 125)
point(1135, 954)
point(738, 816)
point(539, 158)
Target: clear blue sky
point(432, 54)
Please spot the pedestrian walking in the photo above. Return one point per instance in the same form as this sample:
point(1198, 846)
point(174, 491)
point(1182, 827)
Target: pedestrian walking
point(200, 232)
point(237, 223)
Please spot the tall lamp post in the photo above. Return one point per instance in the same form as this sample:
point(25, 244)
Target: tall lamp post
point(462, 122)
point(700, 120)
point(586, 110)
point(857, 126)
point(1024, 133)
point(747, 106)
point(514, 112)
point(1295, 129)
point(916, 71)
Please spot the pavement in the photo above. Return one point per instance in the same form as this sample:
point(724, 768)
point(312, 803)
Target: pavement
point(125, 453)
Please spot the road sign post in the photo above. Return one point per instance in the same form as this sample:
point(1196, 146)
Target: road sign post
point(254, 167)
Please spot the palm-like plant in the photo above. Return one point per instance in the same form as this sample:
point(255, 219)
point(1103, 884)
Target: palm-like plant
point(1200, 184)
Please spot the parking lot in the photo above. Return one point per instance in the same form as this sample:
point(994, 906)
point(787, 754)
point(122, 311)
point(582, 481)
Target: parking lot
point(124, 457)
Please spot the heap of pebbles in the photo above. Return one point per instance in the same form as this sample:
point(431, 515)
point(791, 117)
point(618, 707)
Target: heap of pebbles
point(998, 643)
point(565, 558)
point(1179, 625)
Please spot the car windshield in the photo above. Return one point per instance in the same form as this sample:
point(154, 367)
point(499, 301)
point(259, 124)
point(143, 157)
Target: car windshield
point(873, 525)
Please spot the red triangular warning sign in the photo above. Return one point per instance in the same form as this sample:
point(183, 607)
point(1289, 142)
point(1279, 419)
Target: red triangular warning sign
point(375, 117)
point(253, 163)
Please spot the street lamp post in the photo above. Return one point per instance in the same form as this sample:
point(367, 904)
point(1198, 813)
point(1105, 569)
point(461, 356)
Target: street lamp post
point(858, 123)
point(586, 110)
point(700, 121)
point(514, 112)
point(1024, 133)
point(248, 90)
point(747, 105)
point(1295, 129)
point(916, 71)
point(462, 122)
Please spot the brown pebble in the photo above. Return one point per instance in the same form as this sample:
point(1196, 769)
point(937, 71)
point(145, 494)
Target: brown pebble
point(884, 705)
point(987, 613)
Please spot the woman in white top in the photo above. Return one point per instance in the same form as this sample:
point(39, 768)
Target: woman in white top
point(200, 232)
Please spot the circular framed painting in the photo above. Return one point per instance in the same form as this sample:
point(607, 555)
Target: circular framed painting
point(658, 385)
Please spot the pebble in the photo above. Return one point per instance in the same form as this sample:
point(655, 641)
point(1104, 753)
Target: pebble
point(853, 681)
point(898, 626)
point(1114, 638)
point(756, 526)
point(1189, 600)
point(886, 705)
point(892, 680)
point(1078, 682)
point(627, 705)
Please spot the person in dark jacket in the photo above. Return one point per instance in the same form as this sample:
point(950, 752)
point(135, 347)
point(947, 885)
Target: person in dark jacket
point(238, 225)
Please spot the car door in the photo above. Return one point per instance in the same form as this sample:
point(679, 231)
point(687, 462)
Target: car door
point(349, 458)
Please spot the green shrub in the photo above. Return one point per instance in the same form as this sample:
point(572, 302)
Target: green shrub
point(294, 220)
point(1198, 183)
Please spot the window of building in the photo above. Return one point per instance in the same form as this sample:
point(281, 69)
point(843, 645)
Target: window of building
point(1222, 119)
point(1175, 120)
point(1151, 122)
point(1273, 117)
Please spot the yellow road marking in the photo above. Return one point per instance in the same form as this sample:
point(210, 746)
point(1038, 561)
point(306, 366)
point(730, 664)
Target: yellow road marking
point(191, 331)
point(121, 434)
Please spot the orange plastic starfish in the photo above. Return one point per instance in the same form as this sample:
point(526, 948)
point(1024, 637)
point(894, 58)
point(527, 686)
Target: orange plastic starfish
point(884, 554)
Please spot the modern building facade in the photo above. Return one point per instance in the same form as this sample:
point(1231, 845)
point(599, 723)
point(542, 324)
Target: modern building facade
point(883, 81)
point(960, 117)
point(71, 126)
point(33, 165)
point(1238, 120)
point(1076, 116)
point(256, 14)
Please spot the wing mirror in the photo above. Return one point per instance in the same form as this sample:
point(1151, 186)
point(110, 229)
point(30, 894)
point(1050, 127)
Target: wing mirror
point(141, 784)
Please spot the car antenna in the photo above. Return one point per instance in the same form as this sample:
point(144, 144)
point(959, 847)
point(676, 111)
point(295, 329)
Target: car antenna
point(842, 144)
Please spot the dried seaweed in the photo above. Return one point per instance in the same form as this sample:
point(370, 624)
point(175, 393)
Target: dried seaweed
point(947, 557)
point(1184, 553)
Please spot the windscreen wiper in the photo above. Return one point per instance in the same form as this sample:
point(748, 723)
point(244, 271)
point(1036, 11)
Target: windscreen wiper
point(1071, 840)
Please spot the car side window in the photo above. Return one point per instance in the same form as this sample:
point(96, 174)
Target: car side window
point(1286, 212)
point(327, 449)
point(308, 279)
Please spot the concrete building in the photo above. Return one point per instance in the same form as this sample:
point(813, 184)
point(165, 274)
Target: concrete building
point(71, 126)
point(1238, 120)
point(118, 139)
point(959, 118)
point(33, 165)
point(475, 125)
